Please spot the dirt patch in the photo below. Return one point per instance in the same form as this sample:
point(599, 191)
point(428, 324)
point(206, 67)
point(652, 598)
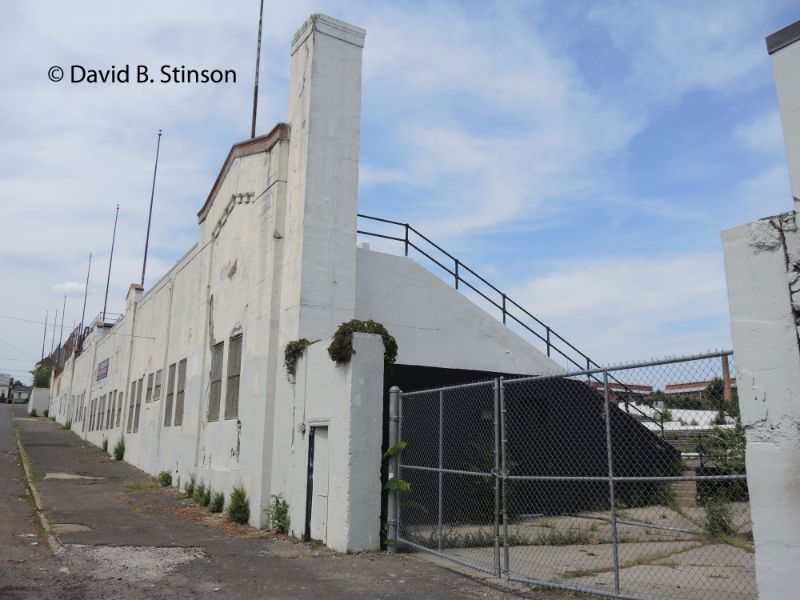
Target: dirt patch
point(69, 476)
point(132, 563)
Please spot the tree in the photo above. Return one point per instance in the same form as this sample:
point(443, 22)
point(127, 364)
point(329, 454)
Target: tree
point(41, 376)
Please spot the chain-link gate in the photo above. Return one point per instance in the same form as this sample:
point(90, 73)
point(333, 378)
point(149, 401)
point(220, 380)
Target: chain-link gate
point(626, 482)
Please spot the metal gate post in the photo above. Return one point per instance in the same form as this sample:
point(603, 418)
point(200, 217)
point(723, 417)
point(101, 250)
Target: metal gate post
point(393, 501)
point(614, 546)
point(503, 473)
point(441, 435)
point(497, 477)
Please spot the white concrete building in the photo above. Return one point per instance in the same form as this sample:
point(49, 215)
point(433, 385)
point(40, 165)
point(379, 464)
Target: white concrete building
point(762, 265)
point(193, 373)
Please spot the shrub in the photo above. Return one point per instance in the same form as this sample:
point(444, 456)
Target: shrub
point(34, 413)
point(165, 478)
point(239, 506)
point(719, 517)
point(119, 449)
point(341, 348)
point(46, 412)
point(217, 503)
point(205, 500)
point(278, 514)
point(666, 415)
point(104, 445)
point(189, 486)
point(198, 492)
point(68, 424)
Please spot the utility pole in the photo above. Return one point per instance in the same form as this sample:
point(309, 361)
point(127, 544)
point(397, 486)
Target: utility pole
point(53, 339)
point(111, 257)
point(258, 62)
point(150, 214)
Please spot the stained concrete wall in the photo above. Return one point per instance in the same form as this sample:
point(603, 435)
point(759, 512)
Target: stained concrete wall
point(762, 266)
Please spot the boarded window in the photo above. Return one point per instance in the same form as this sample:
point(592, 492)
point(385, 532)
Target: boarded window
point(170, 395)
point(119, 407)
point(102, 413)
point(131, 400)
point(113, 397)
point(91, 414)
point(138, 405)
point(234, 371)
point(157, 388)
point(179, 394)
point(149, 396)
point(216, 381)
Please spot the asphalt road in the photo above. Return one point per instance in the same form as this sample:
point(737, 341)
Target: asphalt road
point(120, 536)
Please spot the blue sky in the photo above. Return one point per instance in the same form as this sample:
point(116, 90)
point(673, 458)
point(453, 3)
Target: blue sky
point(584, 156)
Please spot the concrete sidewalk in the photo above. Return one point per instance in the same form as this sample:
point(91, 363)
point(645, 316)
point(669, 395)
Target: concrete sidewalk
point(120, 536)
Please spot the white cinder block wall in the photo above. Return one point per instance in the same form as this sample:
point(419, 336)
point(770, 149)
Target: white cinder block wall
point(276, 261)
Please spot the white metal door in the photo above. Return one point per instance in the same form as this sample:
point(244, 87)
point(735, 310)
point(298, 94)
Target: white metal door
point(319, 502)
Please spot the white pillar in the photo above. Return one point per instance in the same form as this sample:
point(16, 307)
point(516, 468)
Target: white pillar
point(784, 49)
point(762, 265)
point(319, 266)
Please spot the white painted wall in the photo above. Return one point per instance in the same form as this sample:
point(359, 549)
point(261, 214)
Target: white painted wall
point(784, 67)
point(348, 400)
point(762, 266)
point(39, 400)
point(434, 324)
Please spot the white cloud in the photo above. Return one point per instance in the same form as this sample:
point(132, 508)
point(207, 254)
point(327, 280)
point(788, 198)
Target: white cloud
point(627, 308)
point(70, 288)
point(763, 134)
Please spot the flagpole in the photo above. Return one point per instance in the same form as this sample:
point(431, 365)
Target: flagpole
point(150, 214)
point(258, 62)
point(110, 258)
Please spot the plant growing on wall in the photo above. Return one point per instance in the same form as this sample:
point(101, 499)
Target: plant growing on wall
point(104, 445)
point(341, 348)
point(292, 353)
point(34, 413)
point(119, 449)
point(278, 514)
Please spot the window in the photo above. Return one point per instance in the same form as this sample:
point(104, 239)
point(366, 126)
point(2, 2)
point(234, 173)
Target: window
point(157, 388)
point(216, 381)
point(180, 393)
point(138, 405)
point(113, 402)
point(149, 396)
point(234, 370)
point(102, 424)
point(131, 400)
point(91, 415)
point(170, 394)
point(119, 408)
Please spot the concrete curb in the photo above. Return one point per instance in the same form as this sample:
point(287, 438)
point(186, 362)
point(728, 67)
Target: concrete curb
point(52, 540)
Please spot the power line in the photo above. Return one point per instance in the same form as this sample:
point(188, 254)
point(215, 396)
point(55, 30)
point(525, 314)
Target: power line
point(15, 348)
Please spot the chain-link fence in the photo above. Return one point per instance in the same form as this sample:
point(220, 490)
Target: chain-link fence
point(626, 482)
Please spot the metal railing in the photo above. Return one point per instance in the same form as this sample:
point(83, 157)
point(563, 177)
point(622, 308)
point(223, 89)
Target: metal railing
point(510, 310)
point(546, 481)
